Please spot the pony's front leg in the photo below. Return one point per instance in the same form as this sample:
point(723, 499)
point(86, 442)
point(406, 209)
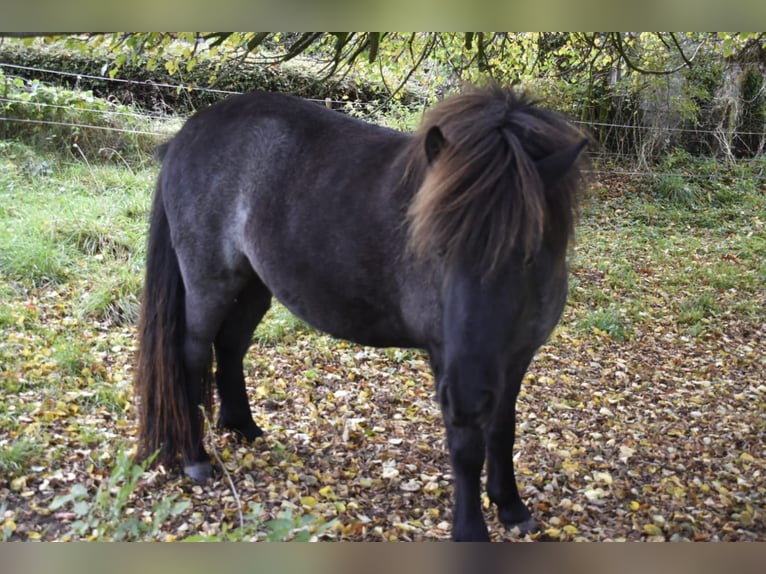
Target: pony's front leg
point(466, 448)
point(501, 479)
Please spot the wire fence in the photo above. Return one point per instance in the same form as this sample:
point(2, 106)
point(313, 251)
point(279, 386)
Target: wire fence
point(179, 87)
point(606, 162)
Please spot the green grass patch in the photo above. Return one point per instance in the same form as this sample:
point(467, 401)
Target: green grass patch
point(610, 321)
point(279, 326)
point(116, 299)
point(697, 308)
point(6, 311)
point(675, 190)
point(77, 226)
point(14, 457)
point(622, 277)
point(70, 356)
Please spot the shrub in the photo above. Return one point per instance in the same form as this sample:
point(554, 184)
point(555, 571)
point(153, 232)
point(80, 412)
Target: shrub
point(76, 122)
point(154, 88)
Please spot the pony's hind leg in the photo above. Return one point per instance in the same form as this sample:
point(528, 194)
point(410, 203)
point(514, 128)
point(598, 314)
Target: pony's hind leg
point(206, 308)
point(198, 358)
point(231, 344)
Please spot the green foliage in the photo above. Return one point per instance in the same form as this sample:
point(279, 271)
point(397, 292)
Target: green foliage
point(610, 321)
point(279, 326)
point(695, 309)
point(108, 515)
point(675, 189)
point(63, 220)
point(394, 114)
point(690, 186)
point(75, 122)
point(6, 313)
point(165, 71)
point(286, 526)
point(16, 456)
point(659, 80)
point(115, 300)
point(70, 357)
point(670, 258)
point(28, 250)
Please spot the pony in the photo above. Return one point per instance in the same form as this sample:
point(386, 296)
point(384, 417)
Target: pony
point(453, 240)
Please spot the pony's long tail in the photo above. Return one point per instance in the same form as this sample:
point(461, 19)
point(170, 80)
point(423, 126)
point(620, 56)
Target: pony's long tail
point(160, 381)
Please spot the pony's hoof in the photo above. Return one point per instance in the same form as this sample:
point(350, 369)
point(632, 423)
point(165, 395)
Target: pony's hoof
point(248, 431)
point(198, 471)
point(477, 534)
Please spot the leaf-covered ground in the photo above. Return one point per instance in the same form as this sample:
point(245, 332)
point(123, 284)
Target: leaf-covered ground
point(643, 418)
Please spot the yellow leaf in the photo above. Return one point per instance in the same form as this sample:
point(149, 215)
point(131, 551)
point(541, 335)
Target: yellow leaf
point(746, 517)
point(570, 467)
point(653, 530)
point(327, 492)
point(604, 477)
point(8, 526)
point(553, 533)
point(571, 529)
point(634, 505)
point(626, 452)
point(308, 501)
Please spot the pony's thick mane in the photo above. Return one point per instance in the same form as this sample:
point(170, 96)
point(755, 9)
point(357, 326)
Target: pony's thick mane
point(483, 198)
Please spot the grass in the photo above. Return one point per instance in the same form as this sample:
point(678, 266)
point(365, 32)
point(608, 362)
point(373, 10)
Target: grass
point(610, 322)
point(73, 222)
point(16, 456)
point(279, 326)
point(70, 356)
point(689, 249)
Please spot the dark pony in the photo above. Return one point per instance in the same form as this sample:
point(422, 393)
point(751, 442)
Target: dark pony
point(452, 240)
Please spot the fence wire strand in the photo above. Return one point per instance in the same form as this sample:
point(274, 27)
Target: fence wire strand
point(601, 158)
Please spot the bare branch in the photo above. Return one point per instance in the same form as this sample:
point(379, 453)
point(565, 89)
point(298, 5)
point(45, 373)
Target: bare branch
point(617, 42)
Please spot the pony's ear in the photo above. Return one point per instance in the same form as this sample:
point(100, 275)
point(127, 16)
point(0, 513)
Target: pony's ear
point(556, 165)
point(435, 142)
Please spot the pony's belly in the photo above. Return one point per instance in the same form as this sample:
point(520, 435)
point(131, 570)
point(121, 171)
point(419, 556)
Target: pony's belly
point(353, 320)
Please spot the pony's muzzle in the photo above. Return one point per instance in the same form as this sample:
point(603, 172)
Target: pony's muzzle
point(466, 409)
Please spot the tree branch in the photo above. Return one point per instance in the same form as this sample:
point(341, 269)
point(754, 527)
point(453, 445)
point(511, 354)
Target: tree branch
point(620, 47)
